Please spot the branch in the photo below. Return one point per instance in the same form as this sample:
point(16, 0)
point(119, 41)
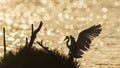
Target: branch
point(32, 29)
point(4, 42)
point(33, 35)
point(45, 48)
point(26, 42)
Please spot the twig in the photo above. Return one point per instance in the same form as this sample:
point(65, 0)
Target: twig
point(33, 35)
point(45, 48)
point(26, 42)
point(4, 42)
point(32, 29)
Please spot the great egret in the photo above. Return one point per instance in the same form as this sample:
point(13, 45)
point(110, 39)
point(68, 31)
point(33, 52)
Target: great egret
point(83, 42)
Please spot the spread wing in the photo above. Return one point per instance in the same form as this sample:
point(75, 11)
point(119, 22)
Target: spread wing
point(86, 36)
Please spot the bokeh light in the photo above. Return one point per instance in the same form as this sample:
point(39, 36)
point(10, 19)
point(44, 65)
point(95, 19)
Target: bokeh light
point(62, 18)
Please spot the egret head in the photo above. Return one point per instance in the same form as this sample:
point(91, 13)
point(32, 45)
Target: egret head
point(66, 38)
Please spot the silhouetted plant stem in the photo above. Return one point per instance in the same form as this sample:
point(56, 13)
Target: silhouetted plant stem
point(26, 42)
point(32, 29)
point(33, 35)
point(4, 42)
point(45, 48)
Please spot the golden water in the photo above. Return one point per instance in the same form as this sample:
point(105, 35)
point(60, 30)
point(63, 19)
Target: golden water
point(61, 18)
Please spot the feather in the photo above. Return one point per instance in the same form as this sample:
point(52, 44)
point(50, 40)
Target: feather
point(83, 42)
point(86, 36)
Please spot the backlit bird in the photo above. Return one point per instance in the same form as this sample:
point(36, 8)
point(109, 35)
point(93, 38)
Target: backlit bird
point(83, 42)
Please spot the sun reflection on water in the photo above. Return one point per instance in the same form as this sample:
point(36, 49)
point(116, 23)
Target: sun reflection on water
point(60, 18)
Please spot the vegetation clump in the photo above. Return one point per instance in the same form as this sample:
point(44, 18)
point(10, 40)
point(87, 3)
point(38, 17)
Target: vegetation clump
point(31, 57)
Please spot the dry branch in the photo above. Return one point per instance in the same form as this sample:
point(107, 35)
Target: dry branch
point(4, 42)
point(33, 35)
point(45, 48)
point(26, 42)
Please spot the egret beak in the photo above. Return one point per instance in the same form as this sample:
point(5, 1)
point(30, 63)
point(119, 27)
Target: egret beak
point(67, 37)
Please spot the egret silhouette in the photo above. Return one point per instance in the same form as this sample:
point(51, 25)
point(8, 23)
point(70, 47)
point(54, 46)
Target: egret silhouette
point(76, 47)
